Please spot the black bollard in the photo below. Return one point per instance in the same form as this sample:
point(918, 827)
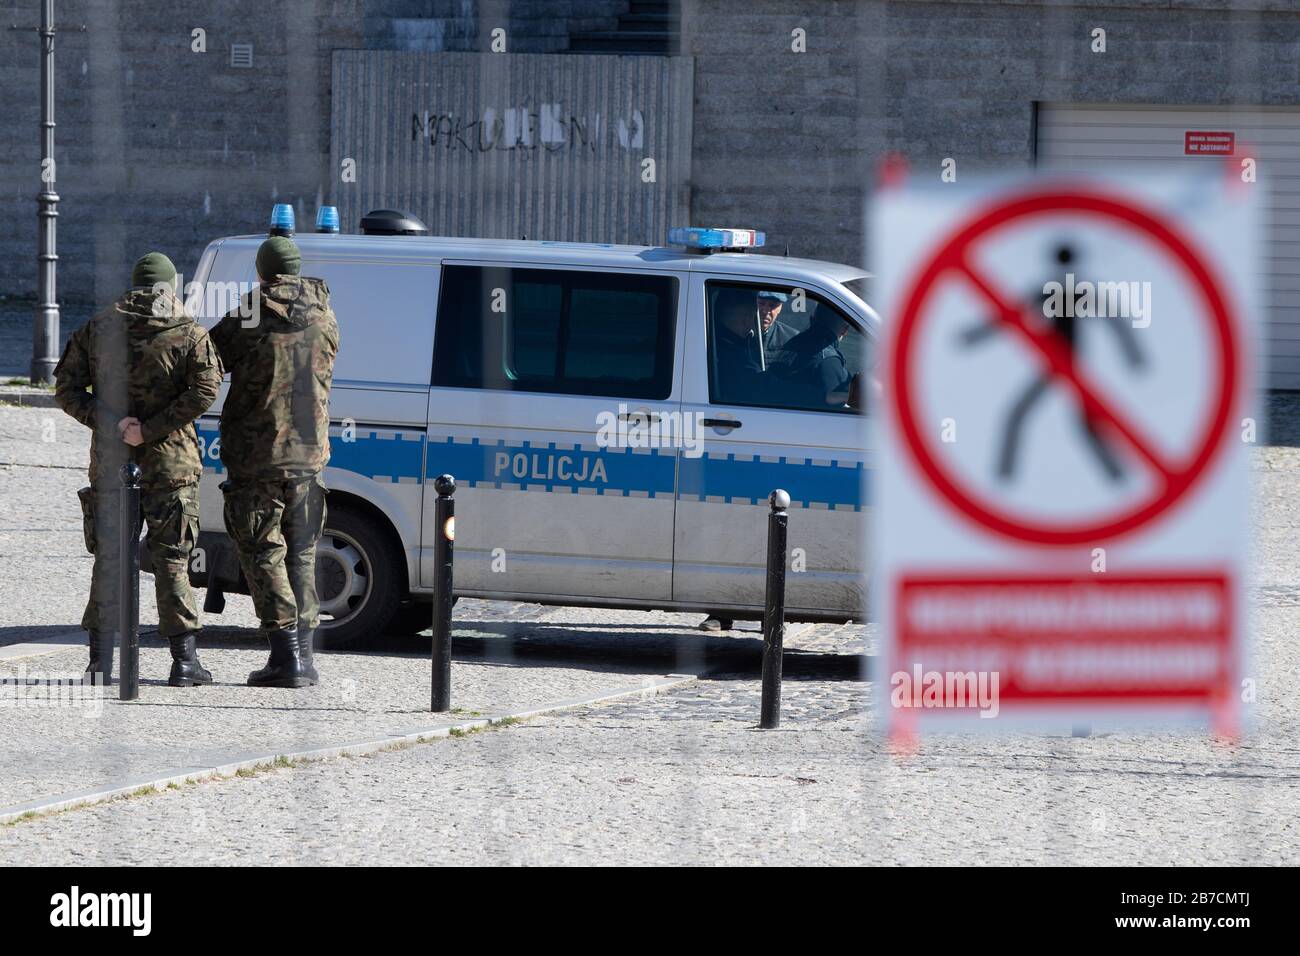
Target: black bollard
point(774, 610)
point(445, 523)
point(128, 581)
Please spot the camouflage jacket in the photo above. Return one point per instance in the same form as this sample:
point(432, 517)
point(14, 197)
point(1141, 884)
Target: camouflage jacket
point(280, 353)
point(143, 357)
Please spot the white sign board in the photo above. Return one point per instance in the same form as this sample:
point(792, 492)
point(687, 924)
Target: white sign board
point(1061, 532)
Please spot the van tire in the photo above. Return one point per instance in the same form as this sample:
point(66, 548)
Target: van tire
point(356, 554)
point(411, 618)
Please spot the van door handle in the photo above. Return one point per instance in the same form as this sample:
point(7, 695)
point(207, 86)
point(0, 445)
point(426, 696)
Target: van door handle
point(651, 418)
point(721, 423)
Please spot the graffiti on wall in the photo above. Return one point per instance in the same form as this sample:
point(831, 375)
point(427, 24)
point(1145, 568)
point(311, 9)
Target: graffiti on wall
point(524, 130)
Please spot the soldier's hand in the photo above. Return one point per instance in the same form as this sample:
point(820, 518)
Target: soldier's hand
point(130, 419)
point(131, 434)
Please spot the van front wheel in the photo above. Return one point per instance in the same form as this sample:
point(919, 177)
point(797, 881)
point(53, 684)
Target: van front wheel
point(358, 580)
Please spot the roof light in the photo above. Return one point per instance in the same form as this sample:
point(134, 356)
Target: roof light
point(391, 222)
point(712, 240)
point(282, 219)
point(327, 219)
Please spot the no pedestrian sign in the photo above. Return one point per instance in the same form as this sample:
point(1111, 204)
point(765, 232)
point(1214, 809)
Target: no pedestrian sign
point(1061, 531)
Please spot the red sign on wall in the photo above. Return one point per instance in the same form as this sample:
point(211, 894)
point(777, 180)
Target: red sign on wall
point(1198, 142)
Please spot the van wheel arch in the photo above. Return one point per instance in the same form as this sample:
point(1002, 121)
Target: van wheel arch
point(359, 553)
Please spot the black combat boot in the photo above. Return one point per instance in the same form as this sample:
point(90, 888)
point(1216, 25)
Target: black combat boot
point(186, 669)
point(307, 652)
point(100, 669)
point(284, 666)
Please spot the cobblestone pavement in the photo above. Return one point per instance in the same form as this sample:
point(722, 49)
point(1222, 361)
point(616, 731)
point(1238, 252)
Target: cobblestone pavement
point(508, 656)
point(686, 777)
point(98, 741)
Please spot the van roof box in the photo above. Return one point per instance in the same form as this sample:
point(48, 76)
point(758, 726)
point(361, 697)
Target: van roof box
point(390, 222)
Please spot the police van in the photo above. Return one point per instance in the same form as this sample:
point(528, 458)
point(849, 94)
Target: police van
point(573, 391)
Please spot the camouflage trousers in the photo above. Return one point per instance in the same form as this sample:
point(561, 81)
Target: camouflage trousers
point(275, 526)
point(171, 520)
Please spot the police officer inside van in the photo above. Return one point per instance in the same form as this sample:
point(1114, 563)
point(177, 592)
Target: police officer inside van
point(737, 353)
point(776, 333)
point(747, 335)
point(813, 368)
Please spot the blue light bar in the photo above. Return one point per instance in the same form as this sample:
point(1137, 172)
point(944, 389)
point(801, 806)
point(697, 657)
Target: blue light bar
point(282, 219)
point(694, 237)
point(327, 219)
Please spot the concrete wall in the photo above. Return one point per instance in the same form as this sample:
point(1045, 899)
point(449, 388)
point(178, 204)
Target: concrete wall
point(790, 141)
point(532, 26)
point(160, 146)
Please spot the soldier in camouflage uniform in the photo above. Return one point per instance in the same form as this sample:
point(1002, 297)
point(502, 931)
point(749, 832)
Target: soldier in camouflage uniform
point(279, 346)
point(138, 374)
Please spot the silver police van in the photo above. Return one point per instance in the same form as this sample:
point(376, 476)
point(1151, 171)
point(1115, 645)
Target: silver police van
point(582, 397)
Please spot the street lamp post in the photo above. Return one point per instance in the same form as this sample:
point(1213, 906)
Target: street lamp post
point(45, 331)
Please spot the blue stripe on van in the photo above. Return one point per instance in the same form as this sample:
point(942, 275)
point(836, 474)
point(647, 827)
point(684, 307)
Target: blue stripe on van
point(748, 479)
point(394, 457)
point(751, 478)
point(391, 456)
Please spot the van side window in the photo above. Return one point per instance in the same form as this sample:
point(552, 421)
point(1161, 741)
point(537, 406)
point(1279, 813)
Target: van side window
point(783, 347)
point(556, 330)
point(383, 310)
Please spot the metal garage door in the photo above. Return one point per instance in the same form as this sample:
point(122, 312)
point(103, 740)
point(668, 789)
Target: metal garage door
point(1083, 137)
point(501, 146)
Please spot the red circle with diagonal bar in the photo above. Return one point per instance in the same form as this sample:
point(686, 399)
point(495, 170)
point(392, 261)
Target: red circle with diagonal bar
point(1175, 477)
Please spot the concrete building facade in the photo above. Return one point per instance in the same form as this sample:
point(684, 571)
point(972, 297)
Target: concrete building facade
point(166, 141)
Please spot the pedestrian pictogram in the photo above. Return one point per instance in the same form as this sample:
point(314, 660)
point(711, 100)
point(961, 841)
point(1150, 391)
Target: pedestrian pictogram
point(1075, 532)
point(1065, 315)
point(1051, 356)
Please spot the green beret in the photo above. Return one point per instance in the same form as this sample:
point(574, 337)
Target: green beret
point(153, 269)
point(278, 256)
